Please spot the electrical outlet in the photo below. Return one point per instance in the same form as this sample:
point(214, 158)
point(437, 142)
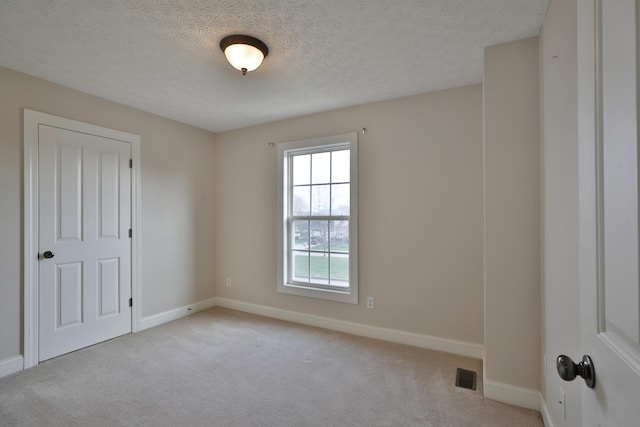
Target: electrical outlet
point(370, 302)
point(228, 282)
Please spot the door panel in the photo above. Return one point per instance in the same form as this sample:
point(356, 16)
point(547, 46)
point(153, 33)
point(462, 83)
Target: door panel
point(68, 304)
point(108, 287)
point(609, 238)
point(619, 172)
point(69, 199)
point(84, 194)
point(108, 209)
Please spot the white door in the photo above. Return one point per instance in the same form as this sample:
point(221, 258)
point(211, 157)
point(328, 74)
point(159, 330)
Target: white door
point(609, 233)
point(84, 217)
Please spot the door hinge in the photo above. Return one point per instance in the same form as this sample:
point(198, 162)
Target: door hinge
point(130, 302)
point(130, 163)
point(130, 232)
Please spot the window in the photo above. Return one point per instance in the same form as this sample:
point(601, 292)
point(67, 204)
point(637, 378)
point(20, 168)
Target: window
point(317, 221)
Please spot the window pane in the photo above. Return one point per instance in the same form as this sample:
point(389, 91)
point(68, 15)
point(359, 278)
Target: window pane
point(321, 168)
point(319, 268)
point(300, 268)
point(340, 199)
point(339, 270)
point(301, 169)
point(319, 234)
point(340, 166)
point(301, 201)
point(339, 234)
point(321, 199)
point(300, 238)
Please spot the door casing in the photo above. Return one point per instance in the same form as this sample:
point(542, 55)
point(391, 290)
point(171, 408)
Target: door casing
point(32, 119)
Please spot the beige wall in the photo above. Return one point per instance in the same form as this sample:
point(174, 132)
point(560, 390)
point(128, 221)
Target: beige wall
point(559, 138)
point(512, 214)
point(177, 198)
point(420, 222)
point(421, 201)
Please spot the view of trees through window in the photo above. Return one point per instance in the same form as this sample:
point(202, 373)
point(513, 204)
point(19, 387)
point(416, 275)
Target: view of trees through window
point(319, 226)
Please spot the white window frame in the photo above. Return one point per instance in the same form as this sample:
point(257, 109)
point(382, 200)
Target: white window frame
point(284, 284)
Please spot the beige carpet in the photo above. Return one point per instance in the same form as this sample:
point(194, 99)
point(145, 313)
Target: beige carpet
point(225, 368)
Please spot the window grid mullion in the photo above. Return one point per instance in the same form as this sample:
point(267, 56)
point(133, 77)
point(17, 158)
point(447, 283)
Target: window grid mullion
point(309, 220)
point(320, 218)
point(329, 221)
point(308, 251)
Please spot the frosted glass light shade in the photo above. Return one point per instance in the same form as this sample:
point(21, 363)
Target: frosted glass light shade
point(244, 56)
point(244, 53)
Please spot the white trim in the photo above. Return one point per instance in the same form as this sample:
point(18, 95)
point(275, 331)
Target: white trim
point(136, 240)
point(393, 335)
point(30, 238)
point(284, 284)
point(544, 411)
point(31, 121)
point(176, 313)
point(511, 394)
point(11, 366)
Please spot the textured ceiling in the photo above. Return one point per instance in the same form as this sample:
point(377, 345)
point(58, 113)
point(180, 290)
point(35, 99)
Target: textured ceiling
point(162, 56)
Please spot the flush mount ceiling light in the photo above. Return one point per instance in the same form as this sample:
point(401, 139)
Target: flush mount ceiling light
point(244, 53)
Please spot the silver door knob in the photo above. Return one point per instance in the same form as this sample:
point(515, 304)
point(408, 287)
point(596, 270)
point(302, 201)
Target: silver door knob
point(568, 370)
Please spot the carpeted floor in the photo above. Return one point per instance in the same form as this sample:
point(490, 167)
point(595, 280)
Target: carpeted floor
point(226, 368)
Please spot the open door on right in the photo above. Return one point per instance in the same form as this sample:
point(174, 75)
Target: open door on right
point(608, 88)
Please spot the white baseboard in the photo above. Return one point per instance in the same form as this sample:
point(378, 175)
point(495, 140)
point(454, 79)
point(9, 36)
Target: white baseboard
point(544, 411)
point(176, 313)
point(511, 394)
point(425, 341)
point(11, 366)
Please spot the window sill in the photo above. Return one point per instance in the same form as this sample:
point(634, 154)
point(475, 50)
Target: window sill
point(350, 297)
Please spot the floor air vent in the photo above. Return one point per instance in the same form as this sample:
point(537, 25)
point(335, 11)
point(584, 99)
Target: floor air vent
point(466, 379)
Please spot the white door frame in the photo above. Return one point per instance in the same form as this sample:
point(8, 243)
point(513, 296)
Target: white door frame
point(32, 119)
